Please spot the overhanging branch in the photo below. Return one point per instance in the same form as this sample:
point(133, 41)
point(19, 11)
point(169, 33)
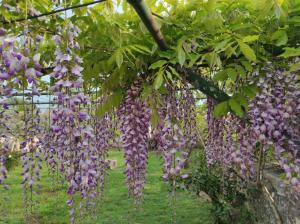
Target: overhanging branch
point(204, 85)
point(193, 77)
point(145, 14)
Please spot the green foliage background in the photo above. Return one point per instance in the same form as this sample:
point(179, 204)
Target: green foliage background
point(224, 40)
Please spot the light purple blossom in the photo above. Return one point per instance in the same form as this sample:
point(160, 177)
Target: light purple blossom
point(134, 117)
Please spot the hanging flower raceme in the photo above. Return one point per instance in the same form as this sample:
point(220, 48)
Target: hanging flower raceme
point(7, 51)
point(214, 141)
point(170, 138)
point(239, 146)
point(4, 150)
point(229, 142)
point(49, 150)
point(31, 151)
point(31, 146)
point(272, 123)
point(134, 117)
point(274, 115)
point(103, 140)
point(6, 142)
point(11, 63)
point(189, 117)
point(14, 62)
point(73, 148)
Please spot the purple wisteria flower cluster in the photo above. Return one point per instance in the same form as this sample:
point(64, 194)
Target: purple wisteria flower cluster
point(134, 118)
point(189, 118)
point(49, 150)
point(275, 118)
point(30, 146)
point(5, 143)
point(171, 133)
point(31, 152)
point(15, 63)
point(74, 149)
point(214, 141)
point(4, 150)
point(230, 142)
point(272, 123)
point(104, 135)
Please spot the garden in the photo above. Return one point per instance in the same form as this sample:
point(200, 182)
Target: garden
point(145, 111)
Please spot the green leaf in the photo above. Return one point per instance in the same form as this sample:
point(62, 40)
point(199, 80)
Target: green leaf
point(158, 64)
point(154, 49)
point(242, 26)
point(221, 109)
point(222, 45)
point(167, 54)
point(250, 38)
point(141, 49)
point(241, 100)
point(174, 72)
point(213, 59)
point(113, 101)
point(236, 107)
point(247, 51)
point(290, 52)
point(247, 66)
point(280, 37)
point(113, 81)
point(249, 90)
point(193, 58)
point(154, 118)
point(240, 70)
point(169, 75)
point(295, 67)
point(119, 58)
point(129, 53)
point(230, 51)
point(159, 79)
point(146, 92)
point(221, 76)
point(180, 55)
point(294, 19)
point(116, 98)
point(232, 74)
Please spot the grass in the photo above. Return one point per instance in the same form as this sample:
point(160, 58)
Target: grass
point(114, 208)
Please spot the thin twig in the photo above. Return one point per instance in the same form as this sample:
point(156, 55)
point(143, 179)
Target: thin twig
point(54, 12)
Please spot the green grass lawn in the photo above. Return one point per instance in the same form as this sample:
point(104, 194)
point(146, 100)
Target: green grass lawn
point(115, 207)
